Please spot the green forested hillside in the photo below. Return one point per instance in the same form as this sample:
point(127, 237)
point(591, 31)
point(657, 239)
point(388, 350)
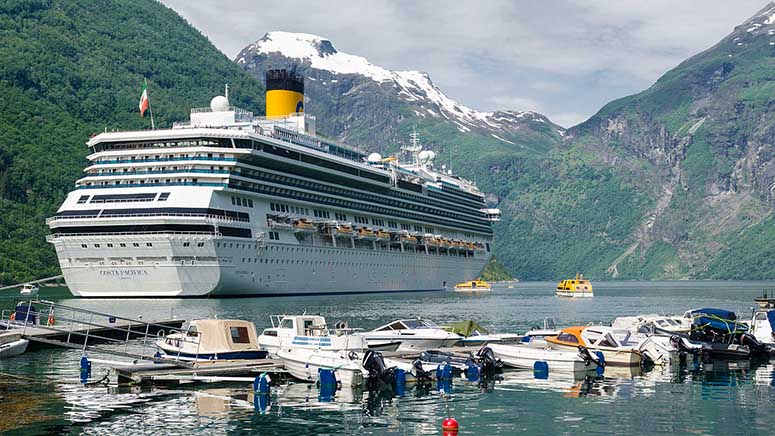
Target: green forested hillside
point(74, 67)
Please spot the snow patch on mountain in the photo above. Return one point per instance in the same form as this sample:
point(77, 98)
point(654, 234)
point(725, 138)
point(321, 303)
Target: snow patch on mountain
point(412, 86)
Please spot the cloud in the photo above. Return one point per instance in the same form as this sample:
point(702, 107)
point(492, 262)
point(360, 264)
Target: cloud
point(567, 57)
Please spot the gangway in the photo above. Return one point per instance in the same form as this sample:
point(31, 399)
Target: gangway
point(47, 323)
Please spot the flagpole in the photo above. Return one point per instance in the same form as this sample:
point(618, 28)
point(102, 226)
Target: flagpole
point(153, 127)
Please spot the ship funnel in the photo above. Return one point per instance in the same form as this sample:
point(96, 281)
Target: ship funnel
point(284, 93)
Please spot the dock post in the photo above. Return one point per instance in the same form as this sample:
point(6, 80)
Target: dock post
point(261, 391)
point(85, 367)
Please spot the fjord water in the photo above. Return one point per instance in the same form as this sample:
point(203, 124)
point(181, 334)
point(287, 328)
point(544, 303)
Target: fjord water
point(41, 394)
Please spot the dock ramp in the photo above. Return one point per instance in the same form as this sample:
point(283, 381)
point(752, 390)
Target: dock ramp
point(49, 324)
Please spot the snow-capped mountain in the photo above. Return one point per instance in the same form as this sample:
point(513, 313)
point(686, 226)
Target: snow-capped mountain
point(348, 81)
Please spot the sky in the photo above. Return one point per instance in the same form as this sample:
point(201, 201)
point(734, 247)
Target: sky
point(562, 58)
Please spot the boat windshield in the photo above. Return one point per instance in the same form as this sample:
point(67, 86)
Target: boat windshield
point(567, 337)
point(419, 324)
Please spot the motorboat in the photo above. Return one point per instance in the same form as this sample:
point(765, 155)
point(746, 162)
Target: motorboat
point(305, 364)
point(474, 335)
point(213, 339)
point(663, 323)
point(12, 344)
point(723, 335)
point(762, 326)
point(473, 286)
point(659, 348)
point(312, 332)
point(29, 290)
point(536, 336)
point(598, 338)
point(414, 334)
point(525, 357)
point(765, 301)
point(576, 287)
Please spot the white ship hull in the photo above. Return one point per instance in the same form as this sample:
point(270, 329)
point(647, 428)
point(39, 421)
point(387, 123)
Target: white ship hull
point(238, 267)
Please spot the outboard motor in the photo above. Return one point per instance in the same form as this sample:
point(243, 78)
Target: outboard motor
point(375, 364)
point(420, 374)
point(591, 358)
point(490, 365)
point(684, 345)
point(753, 344)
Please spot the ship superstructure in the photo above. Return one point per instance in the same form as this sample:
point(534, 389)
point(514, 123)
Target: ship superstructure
point(232, 204)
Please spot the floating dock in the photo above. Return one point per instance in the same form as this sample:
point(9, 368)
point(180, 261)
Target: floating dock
point(209, 371)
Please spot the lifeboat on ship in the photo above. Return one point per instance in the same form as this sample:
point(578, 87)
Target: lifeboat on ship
point(430, 241)
point(407, 238)
point(366, 234)
point(383, 235)
point(304, 226)
point(343, 231)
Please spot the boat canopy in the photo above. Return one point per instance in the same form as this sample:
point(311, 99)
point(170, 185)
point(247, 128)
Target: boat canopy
point(224, 334)
point(466, 328)
point(721, 313)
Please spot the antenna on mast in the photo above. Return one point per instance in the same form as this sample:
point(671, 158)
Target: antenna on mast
point(226, 91)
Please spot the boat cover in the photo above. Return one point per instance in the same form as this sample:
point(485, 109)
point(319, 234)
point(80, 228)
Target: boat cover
point(217, 335)
point(771, 319)
point(466, 328)
point(721, 325)
point(720, 313)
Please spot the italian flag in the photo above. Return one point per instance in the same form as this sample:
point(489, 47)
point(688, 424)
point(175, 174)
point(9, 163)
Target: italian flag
point(144, 99)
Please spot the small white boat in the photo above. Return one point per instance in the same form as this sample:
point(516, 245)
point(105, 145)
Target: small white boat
point(414, 334)
point(536, 336)
point(12, 344)
point(597, 338)
point(525, 357)
point(474, 335)
point(29, 290)
point(762, 326)
point(666, 323)
point(312, 332)
point(305, 363)
point(213, 339)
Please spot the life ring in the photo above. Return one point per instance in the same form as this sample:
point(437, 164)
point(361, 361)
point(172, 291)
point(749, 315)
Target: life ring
point(51, 319)
point(12, 317)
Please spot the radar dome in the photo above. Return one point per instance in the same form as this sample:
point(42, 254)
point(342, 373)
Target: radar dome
point(219, 103)
point(374, 158)
point(427, 155)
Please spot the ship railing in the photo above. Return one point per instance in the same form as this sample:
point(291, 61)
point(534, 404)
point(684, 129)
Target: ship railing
point(54, 236)
point(142, 173)
point(163, 159)
point(134, 215)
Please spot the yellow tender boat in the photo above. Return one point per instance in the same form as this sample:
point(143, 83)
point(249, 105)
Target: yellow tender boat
point(473, 286)
point(577, 287)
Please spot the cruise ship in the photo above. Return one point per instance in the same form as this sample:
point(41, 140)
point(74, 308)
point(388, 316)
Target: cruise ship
point(230, 204)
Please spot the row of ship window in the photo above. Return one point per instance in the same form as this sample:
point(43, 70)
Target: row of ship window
point(143, 182)
point(321, 262)
point(136, 244)
point(297, 182)
point(123, 198)
point(341, 202)
point(242, 202)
